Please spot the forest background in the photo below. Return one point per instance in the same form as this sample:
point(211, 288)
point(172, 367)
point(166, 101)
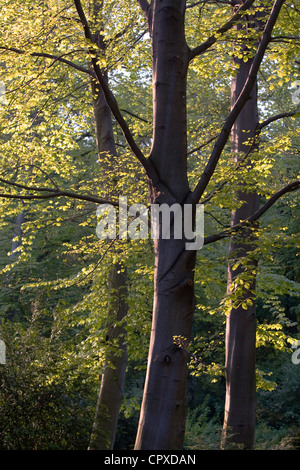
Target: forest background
point(58, 296)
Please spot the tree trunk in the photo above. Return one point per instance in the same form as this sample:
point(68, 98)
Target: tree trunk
point(163, 411)
point(113, 377)
point(169, 77)
point(240, 402)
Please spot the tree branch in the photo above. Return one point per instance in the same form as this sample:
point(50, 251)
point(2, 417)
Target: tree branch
point(51, 192)
point(236, 109)
point(134, 115)
point(144, 6)
point(285, 38)
point(51, 56)
point(24, 186)
point(55, 193)
point(223, 29)
point(195, 149)
point(109, 96)
point(286, 189)
point(274, 118)
point(254, 217)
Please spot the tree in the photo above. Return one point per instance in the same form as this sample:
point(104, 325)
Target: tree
point(113, 377)
point(240, 404)
point(163, 411)
point(162, 415)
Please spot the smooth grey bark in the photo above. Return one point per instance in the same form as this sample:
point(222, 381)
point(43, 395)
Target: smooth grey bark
point(163, 411)
point(170, 58)
point(113, 376)
point(240, 401)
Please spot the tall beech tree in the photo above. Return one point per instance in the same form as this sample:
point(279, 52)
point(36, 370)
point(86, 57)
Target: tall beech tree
point(163, 410)
point(240, 368)
point(240, 405)
point(113, 377)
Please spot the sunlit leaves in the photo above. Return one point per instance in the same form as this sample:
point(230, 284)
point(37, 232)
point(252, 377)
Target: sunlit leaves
point(58, 276)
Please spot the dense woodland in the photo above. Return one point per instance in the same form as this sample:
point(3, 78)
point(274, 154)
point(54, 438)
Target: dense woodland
point(161, 101)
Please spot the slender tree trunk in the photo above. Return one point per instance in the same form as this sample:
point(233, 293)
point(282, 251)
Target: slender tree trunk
point(240, 402)
point(113, 377)
point(163, 411)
